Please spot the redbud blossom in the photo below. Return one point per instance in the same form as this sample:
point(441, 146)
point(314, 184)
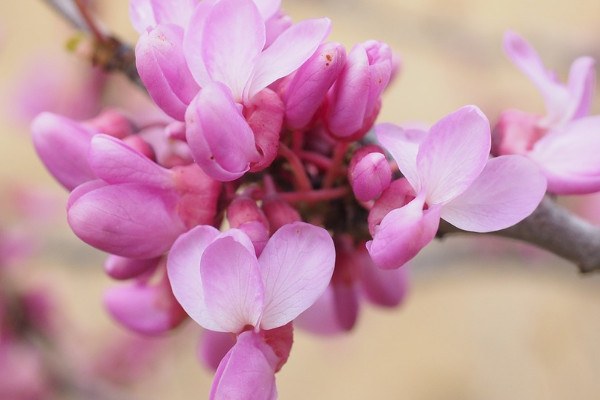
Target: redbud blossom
point(369, 173)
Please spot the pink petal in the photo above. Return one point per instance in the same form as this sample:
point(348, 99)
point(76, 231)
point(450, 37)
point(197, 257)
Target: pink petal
point(323, 317)
point(403, 233)
point(267, 8)
point(144, 308)
point(233, 37)
point(349, 96)
point(69, 166)
point(220, 139)
point(403, 145)
point(213, 346)
point(296, 266)
point(307, 90)
point(453, 154)
point(369, 174)
point(527, 60)
point(162, 66)
point(115, 162)
point(569, 157)
point(276, 25)
point(232, 285)
point(397, 195)
point(183, 267)
point(245, 372)
point(110, 218)
point(582, 82)
point(149, 13)
point(497, 200)
point(192, 41)
point(123, 268)
point(288, 52)
point(383, 287)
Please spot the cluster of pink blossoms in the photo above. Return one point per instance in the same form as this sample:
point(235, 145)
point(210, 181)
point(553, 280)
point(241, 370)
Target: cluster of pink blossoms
point(256, 199)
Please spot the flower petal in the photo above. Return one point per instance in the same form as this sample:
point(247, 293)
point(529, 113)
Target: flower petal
point(383, 287)
point(508, 190)
point(403, 145)
point(403, 232)
point(69, 166)
point(453, 154)
point(296, 266)
point(569, 157)
point(288, 52)
point(232, 285)
point(110, 218)
point(220, 139)
point(213, 346)
point(582, 82)
point(115, 162)
point(245, 371)
point(149, 13)
point(183, 267)
point(233, 37)
point(123, 268)
point(162, 67)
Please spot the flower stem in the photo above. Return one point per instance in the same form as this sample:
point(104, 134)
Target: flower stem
point(302, 182)
point(315, 195)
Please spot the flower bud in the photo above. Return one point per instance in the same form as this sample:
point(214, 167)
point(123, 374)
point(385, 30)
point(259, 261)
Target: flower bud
point(369, 173)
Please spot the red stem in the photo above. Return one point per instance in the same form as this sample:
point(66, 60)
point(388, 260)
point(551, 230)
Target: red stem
point(336, 166)
point(302, 181)
point(315, 195)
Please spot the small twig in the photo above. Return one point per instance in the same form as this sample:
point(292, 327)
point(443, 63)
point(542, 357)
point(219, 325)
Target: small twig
point(555, 229)
point(109, 52)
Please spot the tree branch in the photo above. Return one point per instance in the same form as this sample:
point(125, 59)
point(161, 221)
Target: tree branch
point(553, 228)
point(109, 52)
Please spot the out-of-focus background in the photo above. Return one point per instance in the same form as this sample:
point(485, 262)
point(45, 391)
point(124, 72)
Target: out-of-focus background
point(485, 319)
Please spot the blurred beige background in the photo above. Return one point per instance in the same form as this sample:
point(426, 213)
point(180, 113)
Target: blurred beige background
point(486, 319)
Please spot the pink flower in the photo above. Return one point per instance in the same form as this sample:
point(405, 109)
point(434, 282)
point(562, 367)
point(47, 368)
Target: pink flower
point(234, 291)
point(448, 175)
point(564, 142)
point(106, 213)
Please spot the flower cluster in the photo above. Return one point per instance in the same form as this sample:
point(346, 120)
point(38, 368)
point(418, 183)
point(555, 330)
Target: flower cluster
point(258, 199)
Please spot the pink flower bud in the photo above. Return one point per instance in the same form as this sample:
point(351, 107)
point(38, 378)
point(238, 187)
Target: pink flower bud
point(123, 268)
point(111, 122)
point(264, 114)
point(369, 173)
point(516, 132)
point(163, 69)
point(355, 99)
point(69, 166)
point(144, 307)
point(307, 89)
point(243, 213)
point(279, 212)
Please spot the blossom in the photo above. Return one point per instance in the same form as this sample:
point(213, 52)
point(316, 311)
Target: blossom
point(447, 175)
point(235, 291)
point(565, 142)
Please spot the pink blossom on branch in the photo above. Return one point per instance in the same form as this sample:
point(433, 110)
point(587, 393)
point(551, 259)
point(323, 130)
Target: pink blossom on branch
point(565, 133)
point(447, 175)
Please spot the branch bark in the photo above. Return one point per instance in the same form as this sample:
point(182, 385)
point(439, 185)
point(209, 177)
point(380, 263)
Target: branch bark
point(109, 52)
point(553, 228)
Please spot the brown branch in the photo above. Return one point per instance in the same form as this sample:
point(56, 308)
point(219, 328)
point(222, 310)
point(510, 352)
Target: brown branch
point(109, 52)
point(553, 228)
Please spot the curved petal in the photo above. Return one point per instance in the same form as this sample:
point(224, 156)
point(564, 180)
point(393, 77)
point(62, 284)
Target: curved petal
point(288, 52)
point(69, 166)
point(220, 139)
point(192, 41)
point(383, 287)
point(267, 8)
point(322, 317)
point(123, 268)
point(232, 285)
point(582, 82)
point(245, 372)
point(403, 233)
point(115, 162)
point(233, 37)
point(508, 190)
point(183, 267)
point(453, 154)
point(527, 60)
point(308, 88)
point(161, 64)
point(569, 157)
point(147, 309)
point(213, 346)
point(110, 218)
point(296, 266)
point(148, 13)
point(403, 145)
